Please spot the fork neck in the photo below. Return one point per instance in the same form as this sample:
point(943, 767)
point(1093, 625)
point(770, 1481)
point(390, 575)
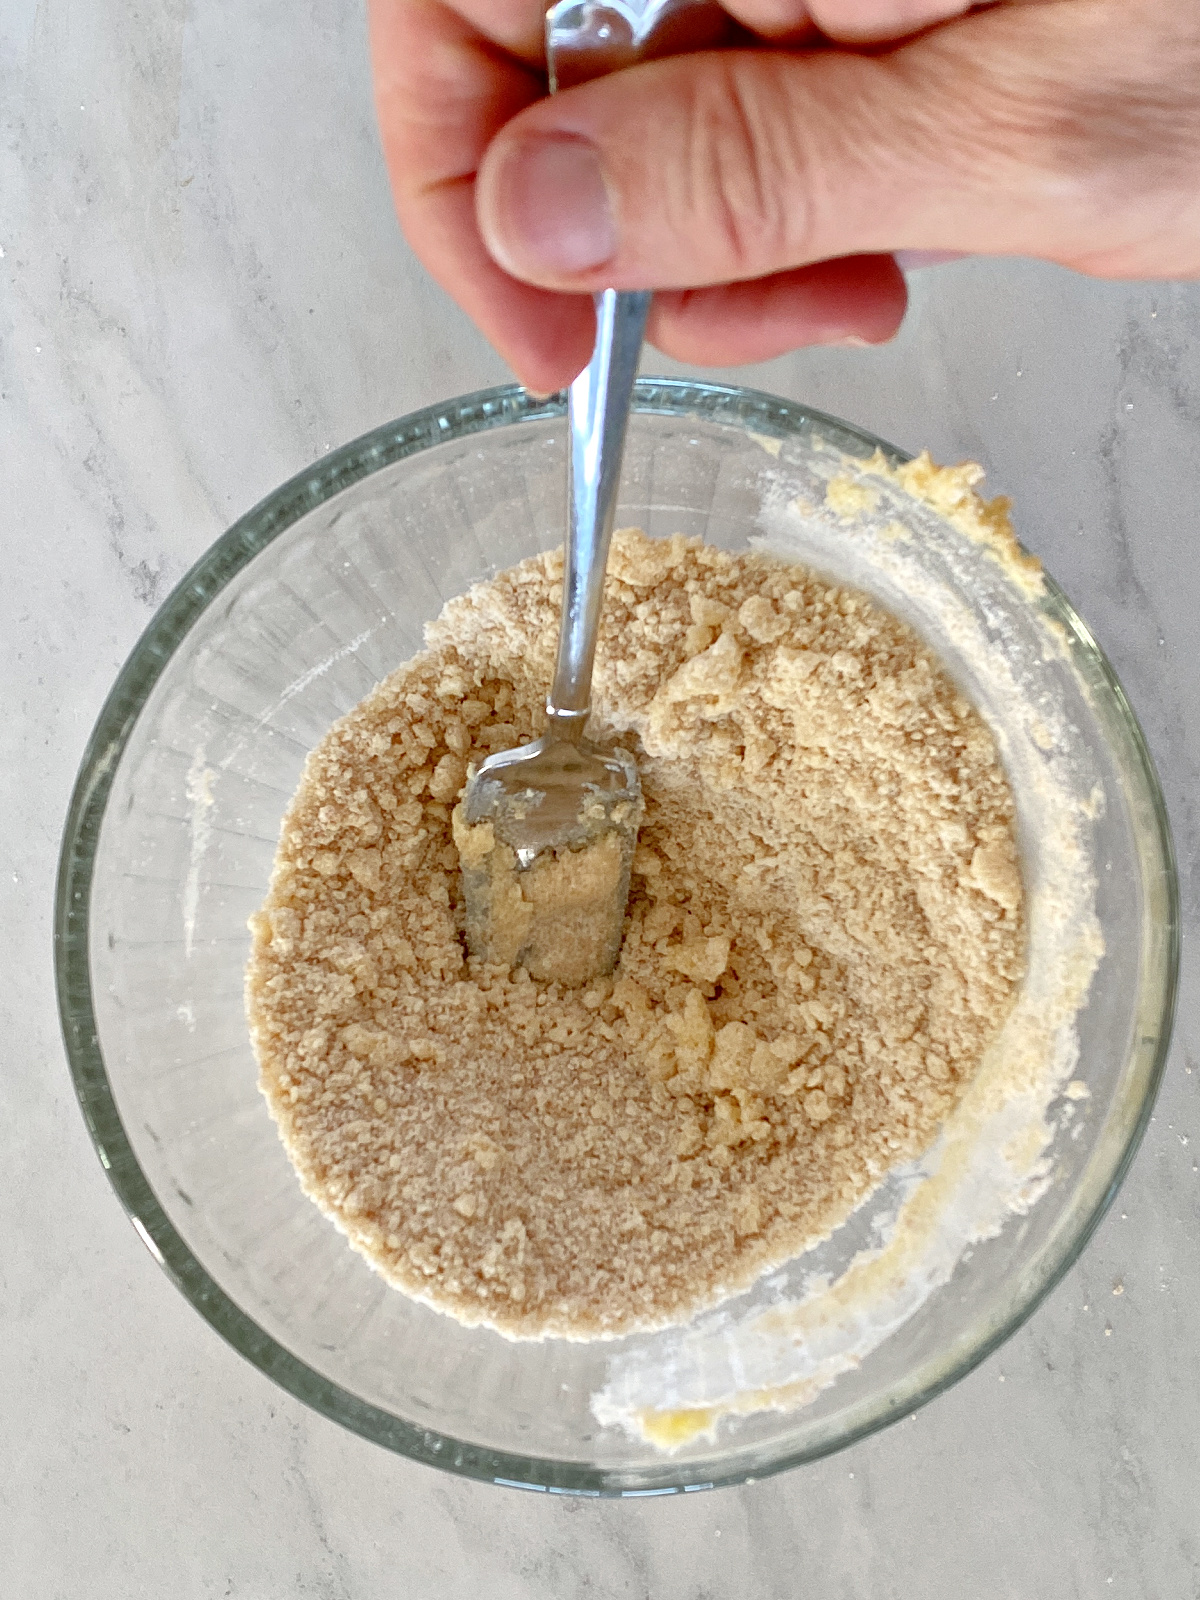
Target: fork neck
point(598, 412)
point(566, 726)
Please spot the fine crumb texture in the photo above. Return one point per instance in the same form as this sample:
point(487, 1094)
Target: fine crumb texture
point(824, 933)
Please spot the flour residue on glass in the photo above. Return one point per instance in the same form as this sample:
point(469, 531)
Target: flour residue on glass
point(894, 531)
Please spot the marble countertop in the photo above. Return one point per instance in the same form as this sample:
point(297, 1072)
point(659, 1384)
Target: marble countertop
point(203, 289)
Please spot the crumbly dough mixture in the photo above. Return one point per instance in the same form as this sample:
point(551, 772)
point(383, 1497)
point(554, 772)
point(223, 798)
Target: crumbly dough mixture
point(824, 933)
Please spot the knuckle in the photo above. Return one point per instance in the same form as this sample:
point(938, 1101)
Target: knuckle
point(746, 168)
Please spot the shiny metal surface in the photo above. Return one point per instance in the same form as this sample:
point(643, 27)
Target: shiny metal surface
point(535, 796)
point(585, 38)
point(599, 412)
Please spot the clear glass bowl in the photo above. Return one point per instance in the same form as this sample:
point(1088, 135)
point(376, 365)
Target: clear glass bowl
point(278, 630)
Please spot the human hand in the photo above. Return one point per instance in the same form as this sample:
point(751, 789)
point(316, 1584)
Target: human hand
point(761, 190)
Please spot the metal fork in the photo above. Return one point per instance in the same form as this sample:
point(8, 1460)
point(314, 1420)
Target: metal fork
point(559, 793)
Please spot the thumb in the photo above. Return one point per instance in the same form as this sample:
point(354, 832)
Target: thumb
point(737, 164)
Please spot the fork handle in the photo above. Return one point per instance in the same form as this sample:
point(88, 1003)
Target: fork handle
point(598, 410)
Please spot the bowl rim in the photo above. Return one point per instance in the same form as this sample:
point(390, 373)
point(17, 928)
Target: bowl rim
point(750, 411)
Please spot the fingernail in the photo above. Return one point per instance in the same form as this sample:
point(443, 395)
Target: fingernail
point(914, 260)
point(545, 208)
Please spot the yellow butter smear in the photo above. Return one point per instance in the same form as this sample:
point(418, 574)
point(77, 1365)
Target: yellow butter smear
point(992, 1158)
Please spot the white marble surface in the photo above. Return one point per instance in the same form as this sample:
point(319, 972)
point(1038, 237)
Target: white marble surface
point(203, 289)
